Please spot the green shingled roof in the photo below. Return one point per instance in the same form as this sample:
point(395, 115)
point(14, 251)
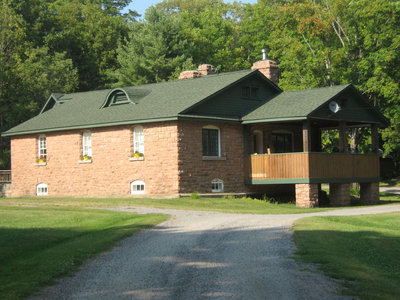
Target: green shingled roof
point(155, 102)
point(173, 100)
point(314, 103)
point(294, 104)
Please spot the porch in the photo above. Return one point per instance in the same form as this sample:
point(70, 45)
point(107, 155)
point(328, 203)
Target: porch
point(292, 153)
point(309, 167)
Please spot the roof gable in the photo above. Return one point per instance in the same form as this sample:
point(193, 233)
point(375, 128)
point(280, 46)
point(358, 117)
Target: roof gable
point(232, 102)
point(351, 107)
point(314, 103)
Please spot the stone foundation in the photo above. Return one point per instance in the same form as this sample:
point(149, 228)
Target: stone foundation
point(369, 193)
point(307, 195)
point(339, 194)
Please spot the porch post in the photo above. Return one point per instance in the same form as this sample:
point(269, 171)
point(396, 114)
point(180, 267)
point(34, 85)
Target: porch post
point(306, 136)
point(246, 139)
point(375, 138)
point(342, 137)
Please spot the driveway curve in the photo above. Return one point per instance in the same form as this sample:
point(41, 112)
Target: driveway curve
point(205, 255)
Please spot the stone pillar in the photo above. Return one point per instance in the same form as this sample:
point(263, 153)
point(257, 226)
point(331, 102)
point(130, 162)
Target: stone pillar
point(339, 194)
point(307, 195)
point(306, 136)
point(342, 137)
point(369, 193)
point(375, 138)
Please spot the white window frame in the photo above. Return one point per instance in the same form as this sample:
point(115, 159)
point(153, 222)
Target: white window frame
point(42, 189)
point(42, 146)
point(87, 143)
point(138, 139)
point(217, 186)
point(134, 187)
point(219, 139)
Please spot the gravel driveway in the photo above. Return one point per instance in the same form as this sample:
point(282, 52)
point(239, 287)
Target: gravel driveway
point(204, 255)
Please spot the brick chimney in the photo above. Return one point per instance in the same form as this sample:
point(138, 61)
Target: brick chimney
point(268, 67)
point(202, 70)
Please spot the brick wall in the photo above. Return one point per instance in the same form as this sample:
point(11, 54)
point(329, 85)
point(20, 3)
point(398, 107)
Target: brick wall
point(195, 173)
point(110, 172)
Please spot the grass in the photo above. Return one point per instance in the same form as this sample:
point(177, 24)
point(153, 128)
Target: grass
point(38, 244)
point(390, 182)
point(363, 250)
point(229, 205)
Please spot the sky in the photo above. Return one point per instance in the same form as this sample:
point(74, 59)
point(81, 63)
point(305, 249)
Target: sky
point(141, 5)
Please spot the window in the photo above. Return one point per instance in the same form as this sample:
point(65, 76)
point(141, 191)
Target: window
point(249, 92)
point(217, 186)
point(282, 142)
point(41, 189)
point(87, 144)
point(138, 187)
point(211, 141)
point(42, 150)
point(138, 139)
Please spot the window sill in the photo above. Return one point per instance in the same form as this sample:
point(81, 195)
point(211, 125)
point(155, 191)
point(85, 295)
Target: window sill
point(214, 157)
point(136, 158)
point(40, 164)
point(89, 161)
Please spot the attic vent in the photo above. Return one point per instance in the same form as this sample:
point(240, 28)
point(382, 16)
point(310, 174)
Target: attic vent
point(117, 97)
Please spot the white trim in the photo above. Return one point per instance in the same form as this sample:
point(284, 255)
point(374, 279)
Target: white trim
point(217, 186)
point(138, 139)
point(42, 189)
point(138, 187)
point(87, 143)
point(219, 138)
point(42, 141)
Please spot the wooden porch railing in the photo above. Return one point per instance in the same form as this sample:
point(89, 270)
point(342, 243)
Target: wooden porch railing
point(317, 166)
point(5, 176)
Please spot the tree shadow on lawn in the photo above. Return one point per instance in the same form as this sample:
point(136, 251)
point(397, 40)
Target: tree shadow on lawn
point(31, 258)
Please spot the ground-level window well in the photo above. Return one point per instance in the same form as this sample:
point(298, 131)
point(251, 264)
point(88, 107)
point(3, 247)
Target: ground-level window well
point(138, 187)
point(217, 186)
point(42, 190)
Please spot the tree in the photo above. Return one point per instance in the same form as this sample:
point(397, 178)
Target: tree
point(213, 29)
point(154, 51)
point(27, 74)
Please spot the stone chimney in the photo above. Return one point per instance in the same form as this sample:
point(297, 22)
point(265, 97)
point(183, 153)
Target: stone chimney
point(189, 74)
point(202, 70)
point(206, 69)
point(268, 67)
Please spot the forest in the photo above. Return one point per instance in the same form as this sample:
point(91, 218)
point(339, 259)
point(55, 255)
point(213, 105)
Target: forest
point(67, 46)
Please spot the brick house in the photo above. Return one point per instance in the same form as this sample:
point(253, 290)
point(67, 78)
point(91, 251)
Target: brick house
point(235, 132)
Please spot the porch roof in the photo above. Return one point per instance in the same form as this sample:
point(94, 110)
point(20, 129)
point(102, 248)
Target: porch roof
point(314, 103)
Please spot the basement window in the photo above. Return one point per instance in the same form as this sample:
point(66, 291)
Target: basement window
point(217, 186)
point(138, 187)
point(41, 189)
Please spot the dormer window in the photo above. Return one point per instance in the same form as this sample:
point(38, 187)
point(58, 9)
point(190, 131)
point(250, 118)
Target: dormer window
point(117, 97)
point(249, 92)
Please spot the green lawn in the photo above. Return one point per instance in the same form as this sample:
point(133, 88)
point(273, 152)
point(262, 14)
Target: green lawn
point(229, 205)
point(38, 244)
point(363, 250)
